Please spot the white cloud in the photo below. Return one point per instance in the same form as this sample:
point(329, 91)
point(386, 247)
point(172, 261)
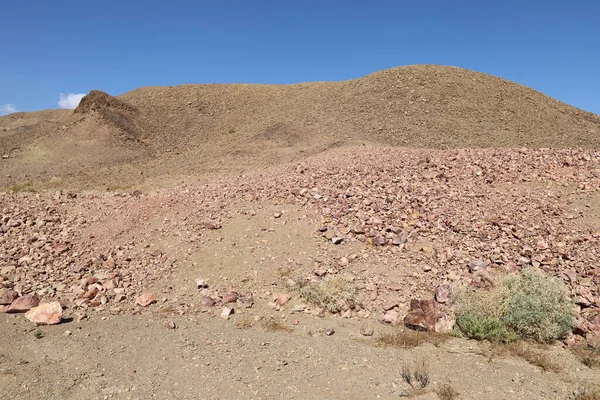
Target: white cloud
point(7, 109)
point(70, 100)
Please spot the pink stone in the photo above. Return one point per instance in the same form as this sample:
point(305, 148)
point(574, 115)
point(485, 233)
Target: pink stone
point(45, 314)
point(7, 296)
point(145, 299)
point(23, 304)
point(281, 298)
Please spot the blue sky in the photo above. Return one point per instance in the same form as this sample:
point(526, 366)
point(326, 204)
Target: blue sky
point(70, 47)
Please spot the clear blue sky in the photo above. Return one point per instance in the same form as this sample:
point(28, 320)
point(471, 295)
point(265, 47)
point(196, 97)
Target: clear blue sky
point(52, 47)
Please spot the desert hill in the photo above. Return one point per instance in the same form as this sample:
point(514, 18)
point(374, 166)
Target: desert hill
point(191, 129)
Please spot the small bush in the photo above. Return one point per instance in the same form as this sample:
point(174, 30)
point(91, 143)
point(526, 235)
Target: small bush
point(408, 339)
point(529, 305)
point(331, 295)
point(273, 325)
point(447, 392)
point(231, 131)
point(24, 187)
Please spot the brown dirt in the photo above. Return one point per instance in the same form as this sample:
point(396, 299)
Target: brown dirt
point(157, 135)
point(245, 186)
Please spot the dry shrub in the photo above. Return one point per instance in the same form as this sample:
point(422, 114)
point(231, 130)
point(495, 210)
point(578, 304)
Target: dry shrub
point(417, 378)
point(244, 323)
point(447, 392)
point(272, 325)
point(331, 294)
point(527, 305)
point(588, 355)
point(24, 187)
point(530, 354)
point(589, 393)
point(408, 339)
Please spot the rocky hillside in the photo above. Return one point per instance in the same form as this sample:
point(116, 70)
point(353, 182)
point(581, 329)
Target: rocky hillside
point(192, 129)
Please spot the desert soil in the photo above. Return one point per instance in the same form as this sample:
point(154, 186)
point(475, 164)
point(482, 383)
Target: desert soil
point(231, 208)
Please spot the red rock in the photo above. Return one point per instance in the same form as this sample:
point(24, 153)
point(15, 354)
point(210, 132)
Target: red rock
point(207, 301)
point(23, 304)
point(442, 293)
point(145, 299)
point(230, 297)
point(46, 314)
point(7, 296)
point(247, 299)
point(423, 315)
point(281, 298)
point(91, 292)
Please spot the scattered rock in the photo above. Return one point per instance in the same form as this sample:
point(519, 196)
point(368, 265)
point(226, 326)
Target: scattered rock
point(170, 325)
point(23, 304)
point(329, 331)
point(207, 301)
point(442, 293)
point(145, 299)
point(281, 298)
point(201, 283)
point(226, 312)
point(366, 330)
point(230, 297)
point(423, 315)
point(46, 314)
point(337, 240)
point(390, 317)
point(7, 296)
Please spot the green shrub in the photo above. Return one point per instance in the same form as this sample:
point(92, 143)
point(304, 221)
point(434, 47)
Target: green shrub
point(483, 327)
point(529, 305)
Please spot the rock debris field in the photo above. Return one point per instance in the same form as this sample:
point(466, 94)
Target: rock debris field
point(440, 216)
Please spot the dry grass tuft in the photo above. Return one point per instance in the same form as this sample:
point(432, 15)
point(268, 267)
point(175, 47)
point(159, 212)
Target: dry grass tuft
point(244, 323)
point(408, 339)
point(418, 378)
point(24, 187)
point(330, 294)
point(447, 392)
point(272, 325)
point(588, 355)
point(532, 355)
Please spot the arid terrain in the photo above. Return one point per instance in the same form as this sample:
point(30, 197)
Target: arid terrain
point(271, 241)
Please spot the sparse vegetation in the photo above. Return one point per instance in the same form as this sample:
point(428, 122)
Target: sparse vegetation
point(408, 339)
point(447, 392)
point(528, 352)
point(589, 393)
point(24, 187)
point(529, 305)
point(244, 323)
point(417, 378)
point(231, 131)
point(38, 334)
point(273, 325)
point(589, 355)
point(330, 294)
